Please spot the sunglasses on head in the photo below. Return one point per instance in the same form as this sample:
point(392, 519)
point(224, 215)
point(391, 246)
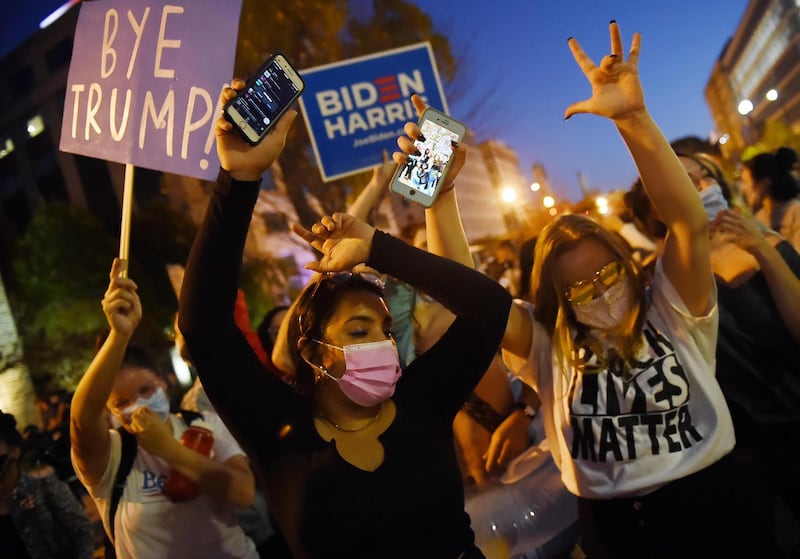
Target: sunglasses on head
point(583, 291)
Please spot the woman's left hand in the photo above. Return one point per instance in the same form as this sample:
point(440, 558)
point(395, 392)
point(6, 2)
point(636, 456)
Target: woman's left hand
point(406, 144)
point(343, 240)
point(616, 89)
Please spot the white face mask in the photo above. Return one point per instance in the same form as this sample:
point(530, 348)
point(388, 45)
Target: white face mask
point(607, 310)
point(157, 402)
point(713, 200)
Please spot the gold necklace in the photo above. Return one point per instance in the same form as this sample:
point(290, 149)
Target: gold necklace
point(348, 430)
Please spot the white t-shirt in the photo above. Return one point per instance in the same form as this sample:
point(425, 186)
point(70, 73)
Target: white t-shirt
point(147, 524)
point(612, 438)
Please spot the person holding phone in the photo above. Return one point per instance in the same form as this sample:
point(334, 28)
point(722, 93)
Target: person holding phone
point(636, 420)
point(357, 460)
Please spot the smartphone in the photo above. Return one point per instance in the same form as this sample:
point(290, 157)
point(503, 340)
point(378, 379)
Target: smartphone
point(421, 178)
point(265, 97)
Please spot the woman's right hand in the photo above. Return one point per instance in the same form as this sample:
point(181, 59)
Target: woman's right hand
point(121, 303)
point(343, 240)
point(735, 228)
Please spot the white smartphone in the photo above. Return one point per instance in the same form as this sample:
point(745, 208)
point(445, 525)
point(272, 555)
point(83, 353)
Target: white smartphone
point(421, 178)
point(265, 97)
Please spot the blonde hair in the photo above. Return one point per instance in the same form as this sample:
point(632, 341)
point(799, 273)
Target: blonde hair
point(555, 313)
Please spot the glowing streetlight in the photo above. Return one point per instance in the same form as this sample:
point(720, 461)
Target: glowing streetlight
point(745, 107)
point(535, 186)
point(772, 95)
point(724, 138)
point(602, 205)
point(548, 201)
point(509, 194)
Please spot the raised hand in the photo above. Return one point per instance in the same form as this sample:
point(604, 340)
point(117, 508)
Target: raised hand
point(735, 228)
point(616, 89)
point(243, 161)
point(343, 240)
point(121, 303)
point(406, 144)
point(382, 174)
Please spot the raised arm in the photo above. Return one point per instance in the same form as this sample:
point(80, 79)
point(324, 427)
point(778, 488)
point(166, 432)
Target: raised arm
point(617, 95)
point(88, 425)
point(372, 193)
point(444, 229)
point(206, 314)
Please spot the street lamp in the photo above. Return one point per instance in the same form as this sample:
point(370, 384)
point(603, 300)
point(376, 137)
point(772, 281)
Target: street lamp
point(772, 95)
point(745, 107)
point(509, 194)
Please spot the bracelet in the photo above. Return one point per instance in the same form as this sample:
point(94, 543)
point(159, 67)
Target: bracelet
point(484, 414)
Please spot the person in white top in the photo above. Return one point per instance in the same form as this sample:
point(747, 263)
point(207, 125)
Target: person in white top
point(122, 381)
point(624, 368)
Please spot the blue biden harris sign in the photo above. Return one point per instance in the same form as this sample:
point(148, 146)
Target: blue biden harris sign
point(356, 109)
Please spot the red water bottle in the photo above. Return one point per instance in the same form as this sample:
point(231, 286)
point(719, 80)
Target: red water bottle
point(199, 437)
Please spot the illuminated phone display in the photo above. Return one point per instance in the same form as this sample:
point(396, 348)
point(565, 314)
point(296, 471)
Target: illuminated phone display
point(422, 172)
point(264, 99)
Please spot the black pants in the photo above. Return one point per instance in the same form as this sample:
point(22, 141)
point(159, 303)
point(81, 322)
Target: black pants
point(703, 515)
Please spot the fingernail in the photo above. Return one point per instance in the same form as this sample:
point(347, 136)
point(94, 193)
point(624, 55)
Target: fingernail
point(566, 118)
point(569, 39)
point(454, 143)
point(421, 137)
point(612, 21)
point(417, 152)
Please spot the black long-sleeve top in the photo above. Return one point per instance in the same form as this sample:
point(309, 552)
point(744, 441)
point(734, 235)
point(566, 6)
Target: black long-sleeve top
point(413, 504)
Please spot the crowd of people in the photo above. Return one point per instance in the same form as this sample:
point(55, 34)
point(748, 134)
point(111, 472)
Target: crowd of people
point(657, 383)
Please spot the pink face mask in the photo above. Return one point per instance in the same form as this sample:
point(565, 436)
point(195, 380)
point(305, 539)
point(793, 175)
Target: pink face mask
point(371, 371)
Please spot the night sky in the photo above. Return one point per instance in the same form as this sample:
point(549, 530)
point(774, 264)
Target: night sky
point(518, 74)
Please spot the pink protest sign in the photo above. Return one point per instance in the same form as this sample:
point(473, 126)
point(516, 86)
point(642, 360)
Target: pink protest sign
point(144, 82)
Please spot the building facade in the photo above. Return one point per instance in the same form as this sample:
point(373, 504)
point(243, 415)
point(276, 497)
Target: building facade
point(756, 79)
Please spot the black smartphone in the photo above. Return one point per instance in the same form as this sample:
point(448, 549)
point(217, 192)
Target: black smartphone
point(420, 179)
point(265, 97)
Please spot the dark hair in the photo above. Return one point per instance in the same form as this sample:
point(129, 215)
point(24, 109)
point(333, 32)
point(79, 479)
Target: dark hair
point(264, 326)
point(314, 308)
point(777, 169)
point(136, 356)
point(8, 430)
point(644, 216)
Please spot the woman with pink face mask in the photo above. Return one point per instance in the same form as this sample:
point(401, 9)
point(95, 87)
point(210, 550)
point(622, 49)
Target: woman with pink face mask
point(357, 458)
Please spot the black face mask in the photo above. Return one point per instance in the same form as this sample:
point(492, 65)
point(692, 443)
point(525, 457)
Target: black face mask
point(6, 461)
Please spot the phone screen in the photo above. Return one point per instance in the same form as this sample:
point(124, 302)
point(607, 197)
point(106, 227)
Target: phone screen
point(422, 172)
point(264, 98)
